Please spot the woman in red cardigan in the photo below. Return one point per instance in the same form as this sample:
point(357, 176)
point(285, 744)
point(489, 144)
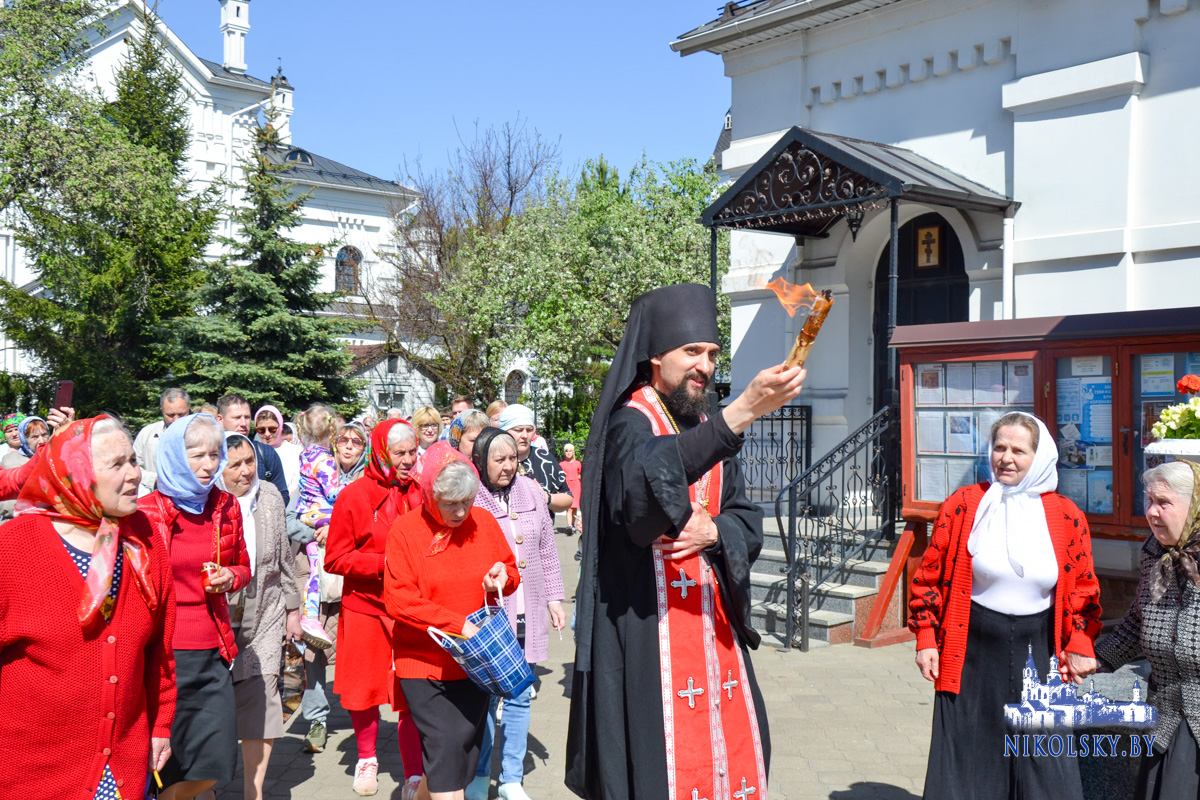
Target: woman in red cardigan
point(86, 614)
point(202, 528)
point(362, 515)
point(441, 562)
point(1007, 578)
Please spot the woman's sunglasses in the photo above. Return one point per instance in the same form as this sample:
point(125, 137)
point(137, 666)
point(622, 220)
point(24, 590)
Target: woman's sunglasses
point(354, 440)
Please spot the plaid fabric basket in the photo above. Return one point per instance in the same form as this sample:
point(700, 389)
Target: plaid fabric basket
point(492, 658)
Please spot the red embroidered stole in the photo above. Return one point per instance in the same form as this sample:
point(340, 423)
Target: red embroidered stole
point(714, 747)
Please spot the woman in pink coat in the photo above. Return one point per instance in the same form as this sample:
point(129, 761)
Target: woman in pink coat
point(519, 506)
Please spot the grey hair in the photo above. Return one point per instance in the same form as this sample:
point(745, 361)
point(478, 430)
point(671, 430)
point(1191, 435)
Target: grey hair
point(1176, 475)
point(204, 430)
point(173, 394)
point(504, 439)
point(455, 483)
point(110, 425)
point(473, 418)
point(401, 433)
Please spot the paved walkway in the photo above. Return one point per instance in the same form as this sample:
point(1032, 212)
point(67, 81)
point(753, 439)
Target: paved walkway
point(846, 722)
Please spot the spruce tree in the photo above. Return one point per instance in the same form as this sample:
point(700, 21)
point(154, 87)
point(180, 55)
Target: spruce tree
point(114, 233)
point(262, 331)
point(149, 103)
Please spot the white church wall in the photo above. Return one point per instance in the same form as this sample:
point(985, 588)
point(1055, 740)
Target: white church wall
point(1078, 109)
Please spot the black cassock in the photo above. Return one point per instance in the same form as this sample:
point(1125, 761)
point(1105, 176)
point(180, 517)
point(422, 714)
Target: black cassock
point(616, 748)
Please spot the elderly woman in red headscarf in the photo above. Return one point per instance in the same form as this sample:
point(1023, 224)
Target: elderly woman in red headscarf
point(87, 612)
point(362, 515)
point(442, 560)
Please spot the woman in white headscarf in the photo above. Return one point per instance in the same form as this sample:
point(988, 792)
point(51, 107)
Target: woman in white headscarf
point(263, 613)
point(1006, 580)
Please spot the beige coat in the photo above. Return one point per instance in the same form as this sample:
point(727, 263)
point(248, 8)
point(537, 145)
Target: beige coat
point(271, 594)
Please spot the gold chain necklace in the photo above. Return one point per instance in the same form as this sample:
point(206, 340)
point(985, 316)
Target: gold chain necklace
point(705, 479)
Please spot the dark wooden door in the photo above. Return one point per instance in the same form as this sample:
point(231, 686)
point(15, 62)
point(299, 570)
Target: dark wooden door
point(932, 286)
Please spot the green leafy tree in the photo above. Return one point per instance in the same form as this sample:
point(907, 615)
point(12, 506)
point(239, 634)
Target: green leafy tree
point(563, 277)
point(425, 300)
point(114, 234)
point(261, 331)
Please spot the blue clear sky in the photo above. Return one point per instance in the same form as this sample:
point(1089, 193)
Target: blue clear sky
point(380, 80)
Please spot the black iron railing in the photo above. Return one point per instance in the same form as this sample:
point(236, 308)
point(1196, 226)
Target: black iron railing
point(777, 450)
point(839, 506)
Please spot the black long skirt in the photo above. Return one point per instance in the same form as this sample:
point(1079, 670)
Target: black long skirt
point(450, 717)
point(204, 739)
point(1175, 774)
point(966, 752)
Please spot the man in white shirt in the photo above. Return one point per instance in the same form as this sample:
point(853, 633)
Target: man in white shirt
point(174, 404)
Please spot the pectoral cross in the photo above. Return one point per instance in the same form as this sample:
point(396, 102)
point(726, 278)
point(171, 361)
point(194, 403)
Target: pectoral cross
point(729, 684)
point(682, 584)
point(691, 692)
point(745, 792)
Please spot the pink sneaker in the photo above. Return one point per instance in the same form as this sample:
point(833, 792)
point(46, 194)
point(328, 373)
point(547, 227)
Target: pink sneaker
point(314, 635)
point(366, 777)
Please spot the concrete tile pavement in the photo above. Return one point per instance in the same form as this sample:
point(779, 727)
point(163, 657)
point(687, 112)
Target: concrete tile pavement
point(846, 723)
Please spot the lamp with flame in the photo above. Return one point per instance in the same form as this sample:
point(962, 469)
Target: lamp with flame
point(816, 304)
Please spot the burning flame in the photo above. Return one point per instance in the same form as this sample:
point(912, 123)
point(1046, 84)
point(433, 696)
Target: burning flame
point(792, 296)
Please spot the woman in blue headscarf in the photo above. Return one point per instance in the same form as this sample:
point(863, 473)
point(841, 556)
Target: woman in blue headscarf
point(202, 526)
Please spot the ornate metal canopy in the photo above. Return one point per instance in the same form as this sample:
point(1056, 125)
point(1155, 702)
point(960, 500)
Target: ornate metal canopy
point(808, 181)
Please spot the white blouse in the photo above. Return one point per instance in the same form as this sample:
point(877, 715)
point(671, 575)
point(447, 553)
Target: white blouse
point(996, 585)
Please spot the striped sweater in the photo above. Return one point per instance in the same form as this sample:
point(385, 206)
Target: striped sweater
point(940, 602)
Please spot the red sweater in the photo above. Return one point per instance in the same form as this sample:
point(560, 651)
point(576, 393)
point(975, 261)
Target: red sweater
point(440, 591)
point(942, 622)
point(358, 536)
point(208, 622)
point(11, 480)
point(65, 716)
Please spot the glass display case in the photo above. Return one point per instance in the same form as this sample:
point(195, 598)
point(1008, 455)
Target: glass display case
point(1098, 381)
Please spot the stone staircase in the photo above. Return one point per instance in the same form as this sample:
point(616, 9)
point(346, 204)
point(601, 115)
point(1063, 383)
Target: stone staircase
point(839, 607)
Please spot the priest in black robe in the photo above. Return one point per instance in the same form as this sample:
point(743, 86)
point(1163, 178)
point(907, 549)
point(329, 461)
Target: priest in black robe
point(652, 458)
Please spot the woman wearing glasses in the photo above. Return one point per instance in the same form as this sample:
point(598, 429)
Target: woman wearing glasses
point(268, 429)
point(322, 605)
point(427, 421)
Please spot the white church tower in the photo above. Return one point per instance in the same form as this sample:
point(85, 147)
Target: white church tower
point(235, 24)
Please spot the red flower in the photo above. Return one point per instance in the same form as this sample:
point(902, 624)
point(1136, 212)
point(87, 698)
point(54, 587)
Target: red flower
point(1188, 384)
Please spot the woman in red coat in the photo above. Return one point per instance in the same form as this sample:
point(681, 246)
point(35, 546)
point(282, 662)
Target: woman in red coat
point(87, 681)
point(1007, 579)
point(202, 527)
point(362, 515)
point(442, 560)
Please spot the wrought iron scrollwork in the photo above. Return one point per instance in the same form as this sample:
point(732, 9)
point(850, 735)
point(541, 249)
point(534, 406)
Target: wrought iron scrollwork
point(802, 183)
point(841, 505)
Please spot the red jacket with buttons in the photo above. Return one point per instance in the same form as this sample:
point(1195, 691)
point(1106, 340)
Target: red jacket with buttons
point(229, 550)
point(940, 603)
point(75, 701)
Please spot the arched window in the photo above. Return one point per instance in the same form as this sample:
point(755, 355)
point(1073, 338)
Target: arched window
point(514, 384)
point(345, 277)
point(298, 157)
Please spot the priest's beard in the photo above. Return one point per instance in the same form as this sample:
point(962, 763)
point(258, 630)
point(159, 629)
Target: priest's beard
point(682, 403)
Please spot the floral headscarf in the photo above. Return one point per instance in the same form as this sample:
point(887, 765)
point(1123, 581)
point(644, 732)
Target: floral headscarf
point(11, 421)
point(1182, 555)
point(26, 449)
point(63, 487)
point(278, 418)
point(439, 456)
point(379, 467)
